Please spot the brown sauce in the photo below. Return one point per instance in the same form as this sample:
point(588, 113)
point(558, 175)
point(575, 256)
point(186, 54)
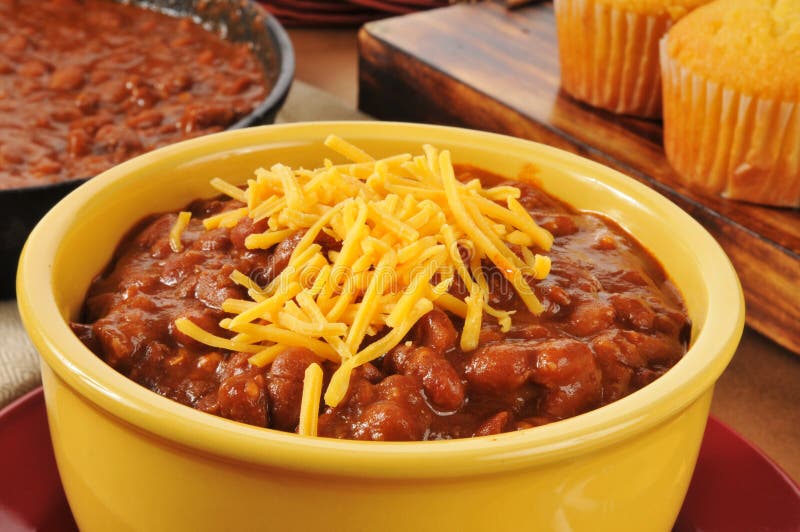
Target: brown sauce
point(612, 324)
point(86, 84)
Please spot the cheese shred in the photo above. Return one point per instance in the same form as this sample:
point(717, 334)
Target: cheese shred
point(407, 232)
point(309, 404)
point(177, 230)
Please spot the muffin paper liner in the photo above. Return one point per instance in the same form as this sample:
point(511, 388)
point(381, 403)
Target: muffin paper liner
point(724, 142)
point(609, 57)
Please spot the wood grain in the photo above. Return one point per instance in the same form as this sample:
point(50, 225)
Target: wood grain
point(484, 67)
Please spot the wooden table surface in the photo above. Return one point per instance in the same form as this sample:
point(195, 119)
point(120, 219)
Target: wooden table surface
point(759, 393)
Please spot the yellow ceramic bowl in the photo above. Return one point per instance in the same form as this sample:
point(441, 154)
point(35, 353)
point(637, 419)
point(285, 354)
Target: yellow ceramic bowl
point(133, 460)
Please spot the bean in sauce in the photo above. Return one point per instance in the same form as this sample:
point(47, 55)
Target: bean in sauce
point(612, 323)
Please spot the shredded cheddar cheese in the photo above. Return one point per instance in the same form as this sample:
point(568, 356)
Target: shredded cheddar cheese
point(177, 230)
point(309, 404)
point(404, 224)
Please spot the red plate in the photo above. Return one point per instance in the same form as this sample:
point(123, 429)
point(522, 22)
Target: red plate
point(301, 17)
point(313, 5)
point(388, 7)
point(735, 486)
point(31, 497)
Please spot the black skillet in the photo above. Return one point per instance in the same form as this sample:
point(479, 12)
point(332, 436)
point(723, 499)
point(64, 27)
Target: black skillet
point(241, 21)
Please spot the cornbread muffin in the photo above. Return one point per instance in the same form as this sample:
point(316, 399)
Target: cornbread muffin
point(609, 51)
point(732, 100)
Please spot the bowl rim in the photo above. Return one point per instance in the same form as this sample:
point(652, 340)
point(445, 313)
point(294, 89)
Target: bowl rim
point(120, 397)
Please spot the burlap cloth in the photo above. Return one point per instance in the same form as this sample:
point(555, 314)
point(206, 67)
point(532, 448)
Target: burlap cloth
point(19, 363)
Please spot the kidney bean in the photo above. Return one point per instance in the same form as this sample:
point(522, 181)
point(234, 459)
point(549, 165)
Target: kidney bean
point(175, 83)
point(494, 425)
point(568, 370)
point(435, 330)
point(556, 300)
point(141, 95)
point(145, 119)
point(12, 153)
point(197, 117)
point(243, 398)
point(91, 124)
point(206, 57)
point(78, 143)
point(32, 69)
point(499, 368)
point(45, 166)
point(15, 43)
point(65, 114)
point(278, 260)
point(68, 78)
point(531, 331)
point(441, 382)
point(237, 86)
point(118, 140)
point(590, 317)
point(245, 228)
point(236, 364)
point(559, 225)
point(387, 421)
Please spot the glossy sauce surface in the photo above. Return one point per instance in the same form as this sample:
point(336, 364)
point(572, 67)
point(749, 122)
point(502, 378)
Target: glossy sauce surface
point(86, 84)
point(612, 323)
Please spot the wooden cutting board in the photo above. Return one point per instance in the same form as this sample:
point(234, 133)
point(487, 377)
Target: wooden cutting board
point(481, 66)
